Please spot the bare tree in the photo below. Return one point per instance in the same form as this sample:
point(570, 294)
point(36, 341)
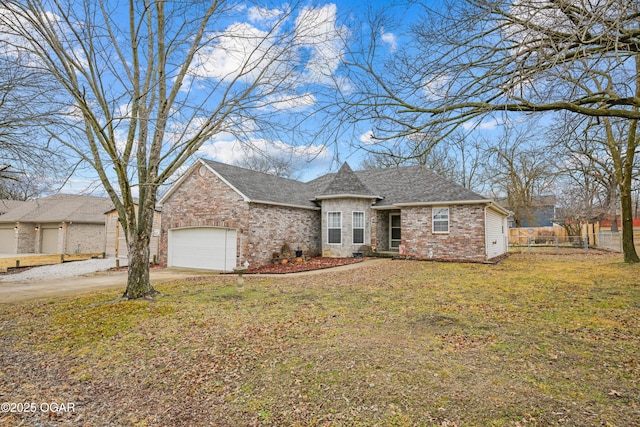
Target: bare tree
point(283, 165)
point(147, 82)
point(471, 60)
point(27, 161)
point(459, 158)
point(522, 171)
point(587, 146)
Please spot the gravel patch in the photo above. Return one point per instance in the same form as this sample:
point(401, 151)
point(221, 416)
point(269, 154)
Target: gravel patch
point(67, 269)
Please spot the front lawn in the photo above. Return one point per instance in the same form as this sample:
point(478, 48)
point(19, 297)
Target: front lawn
point(536, 340)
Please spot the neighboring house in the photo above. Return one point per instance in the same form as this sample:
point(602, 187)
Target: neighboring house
point(116, 244)
point(541, 213)
point(6, 205)
point(219, 216)
point(63, 223)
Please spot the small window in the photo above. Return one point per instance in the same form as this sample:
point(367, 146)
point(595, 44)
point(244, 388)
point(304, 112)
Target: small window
point(358, 228)
point(334, 227)
point(440, 220)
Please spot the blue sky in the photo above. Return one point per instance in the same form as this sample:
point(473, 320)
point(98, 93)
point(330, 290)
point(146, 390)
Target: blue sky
point(325, 25)
point(345, 17)
point(331, 22)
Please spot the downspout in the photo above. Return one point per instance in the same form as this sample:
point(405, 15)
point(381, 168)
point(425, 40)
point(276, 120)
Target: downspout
point(486, 235)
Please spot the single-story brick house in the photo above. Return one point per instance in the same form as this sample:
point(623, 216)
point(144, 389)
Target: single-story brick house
point(218, 216)
point(59, 224)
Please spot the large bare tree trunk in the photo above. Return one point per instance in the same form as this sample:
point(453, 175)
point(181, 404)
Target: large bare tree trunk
point(139, 230)
point(628, 246)
point(138, 281)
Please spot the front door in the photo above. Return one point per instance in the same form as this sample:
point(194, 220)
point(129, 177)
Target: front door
point(394, 231)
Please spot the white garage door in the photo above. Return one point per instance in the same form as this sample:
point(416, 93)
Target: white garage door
point(50, 240)
point(203, 247)
point(7, 240)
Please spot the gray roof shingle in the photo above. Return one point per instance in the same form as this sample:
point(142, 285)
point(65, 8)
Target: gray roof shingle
point(259, 186)
point(401, 185)
point(60, 208)
point(414, 184)
point(346, 182)
point(6, 205)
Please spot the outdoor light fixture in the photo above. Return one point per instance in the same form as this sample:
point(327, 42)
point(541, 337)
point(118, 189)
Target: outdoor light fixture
point(37, 228)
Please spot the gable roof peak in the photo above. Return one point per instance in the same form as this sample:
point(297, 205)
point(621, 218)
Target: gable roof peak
point(346, 183)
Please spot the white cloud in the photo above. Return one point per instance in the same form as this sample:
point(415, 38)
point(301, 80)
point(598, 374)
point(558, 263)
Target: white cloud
point(390, 40)
point(367, 138)
point(488, 124)
point(318, 32)
point(289, 102)
point(240, 49)
point(316, 48)
point(232, 151)
point(436, 87)
point(262, 15)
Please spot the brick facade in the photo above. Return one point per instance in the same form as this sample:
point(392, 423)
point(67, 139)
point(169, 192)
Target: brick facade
point(64, 238)
point(346, 206)
point(85, 238)
point(464, 242)
point(205, 200)
point(271, 226)
point(26, 238)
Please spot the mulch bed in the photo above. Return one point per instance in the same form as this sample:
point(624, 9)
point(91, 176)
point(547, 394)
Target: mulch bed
point(311, 264)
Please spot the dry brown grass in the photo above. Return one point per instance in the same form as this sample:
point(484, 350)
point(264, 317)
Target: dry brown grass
point(536, 340)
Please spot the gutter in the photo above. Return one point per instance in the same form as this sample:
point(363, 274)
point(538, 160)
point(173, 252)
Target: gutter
point(286, 205)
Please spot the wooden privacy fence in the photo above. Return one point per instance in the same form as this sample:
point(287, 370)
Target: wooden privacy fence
point(538, 235)
point(554, 235)
point(591, 236)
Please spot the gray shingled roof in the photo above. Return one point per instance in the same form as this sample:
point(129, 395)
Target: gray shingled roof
point(60, 208)
point(401, 185)
point(259, 186)
point(414, 184)
point(346, 182)
point(6, 205)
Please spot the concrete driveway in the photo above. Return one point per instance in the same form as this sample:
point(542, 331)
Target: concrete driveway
point(13, 292)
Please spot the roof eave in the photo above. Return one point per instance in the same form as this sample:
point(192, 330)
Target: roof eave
point(436, 203)
point(496, 207)
point(286, 205)
point(348, 196)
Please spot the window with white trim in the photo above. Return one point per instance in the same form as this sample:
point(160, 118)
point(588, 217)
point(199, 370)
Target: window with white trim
point(358, 228)
point(440, 219)
point(334, 227)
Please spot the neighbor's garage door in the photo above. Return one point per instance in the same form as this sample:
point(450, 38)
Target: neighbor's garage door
point(50, 240)
point(7, 240)
point(203, 247)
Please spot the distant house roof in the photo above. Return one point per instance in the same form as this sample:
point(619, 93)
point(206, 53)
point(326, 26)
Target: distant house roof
point(544, 200)
point(60, 208)
point(391, 186)
point(6, 205)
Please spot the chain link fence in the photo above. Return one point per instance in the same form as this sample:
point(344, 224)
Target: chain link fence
point(550, 244)
point(610, 240)
point(554, 240)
